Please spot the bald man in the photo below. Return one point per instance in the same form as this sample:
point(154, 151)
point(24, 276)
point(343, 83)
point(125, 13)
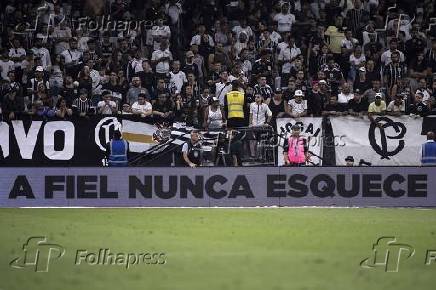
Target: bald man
point(429, 151)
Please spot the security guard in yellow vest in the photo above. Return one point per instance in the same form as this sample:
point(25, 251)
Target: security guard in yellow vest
point(234, 103)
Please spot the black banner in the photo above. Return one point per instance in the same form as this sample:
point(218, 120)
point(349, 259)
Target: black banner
point(36, 142)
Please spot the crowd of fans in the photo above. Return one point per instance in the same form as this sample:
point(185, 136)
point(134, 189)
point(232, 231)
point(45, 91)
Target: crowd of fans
point(177, 60)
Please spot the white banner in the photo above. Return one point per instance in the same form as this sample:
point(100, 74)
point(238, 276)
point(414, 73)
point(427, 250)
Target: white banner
point(311, 128)
point(395, 141)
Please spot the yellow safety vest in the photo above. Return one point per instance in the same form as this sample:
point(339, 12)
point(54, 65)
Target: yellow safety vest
point(235, 103)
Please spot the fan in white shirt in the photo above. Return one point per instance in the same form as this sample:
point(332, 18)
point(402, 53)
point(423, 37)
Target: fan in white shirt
point(177, 77)
point(161, 58)
point(298, 106)
point(107, 106)
point(259, 112)
point(72, 55)
point(142, 107)
point(346, 94)
point(288, 54)
point(6, 65)
point(159, 32)
point(284, 19)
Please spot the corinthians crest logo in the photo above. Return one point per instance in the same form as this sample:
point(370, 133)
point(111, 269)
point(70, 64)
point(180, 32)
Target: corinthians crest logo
point(384, 144)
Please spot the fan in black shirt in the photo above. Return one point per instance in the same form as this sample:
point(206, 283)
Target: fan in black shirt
point(419, 108)
point(358, 105)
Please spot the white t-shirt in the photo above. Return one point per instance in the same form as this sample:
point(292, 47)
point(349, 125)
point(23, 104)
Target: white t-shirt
point(6, 66)
point(162, 67)
point(343, 98)
point(284, 22)
point(107, 107)
point(286, 54)
point(177, 80)
point(259, 113)
point(386, 57)
point(158, 32)
point(357, 61)
point(71, 55)
point(221, 89)
point(298, 107)
point(44, 54)
point(142, 109)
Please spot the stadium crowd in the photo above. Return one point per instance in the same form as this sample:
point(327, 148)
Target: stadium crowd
point(180, 60)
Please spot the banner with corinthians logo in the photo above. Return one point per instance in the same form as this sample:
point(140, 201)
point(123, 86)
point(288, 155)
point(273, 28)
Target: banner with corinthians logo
point(73, 142)
point(391, 141)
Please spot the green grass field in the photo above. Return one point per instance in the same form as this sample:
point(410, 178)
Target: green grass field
point(303, 248)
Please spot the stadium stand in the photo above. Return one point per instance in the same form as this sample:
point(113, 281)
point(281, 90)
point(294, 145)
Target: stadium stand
point(167, 62)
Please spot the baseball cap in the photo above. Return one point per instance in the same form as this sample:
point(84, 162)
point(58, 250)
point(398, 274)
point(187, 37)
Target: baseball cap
point(349, 158)
point(322, 82)
point(278, 90)
point(362, 69)
point(189, 54)
point(83, 91)
point(299, 93)
point(39, 68)
point(378, 96)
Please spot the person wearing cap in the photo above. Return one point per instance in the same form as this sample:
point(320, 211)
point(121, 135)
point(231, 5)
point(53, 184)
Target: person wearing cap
point(396, 107)
point(142, 107)
point(297, 107)
point(378, 107)
point(349, 161)
point(106, 106)
point(82, 105)
point(117, 151)
point(213, 116)
point(234, 103)
point(428, 150)
point(296, 149)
